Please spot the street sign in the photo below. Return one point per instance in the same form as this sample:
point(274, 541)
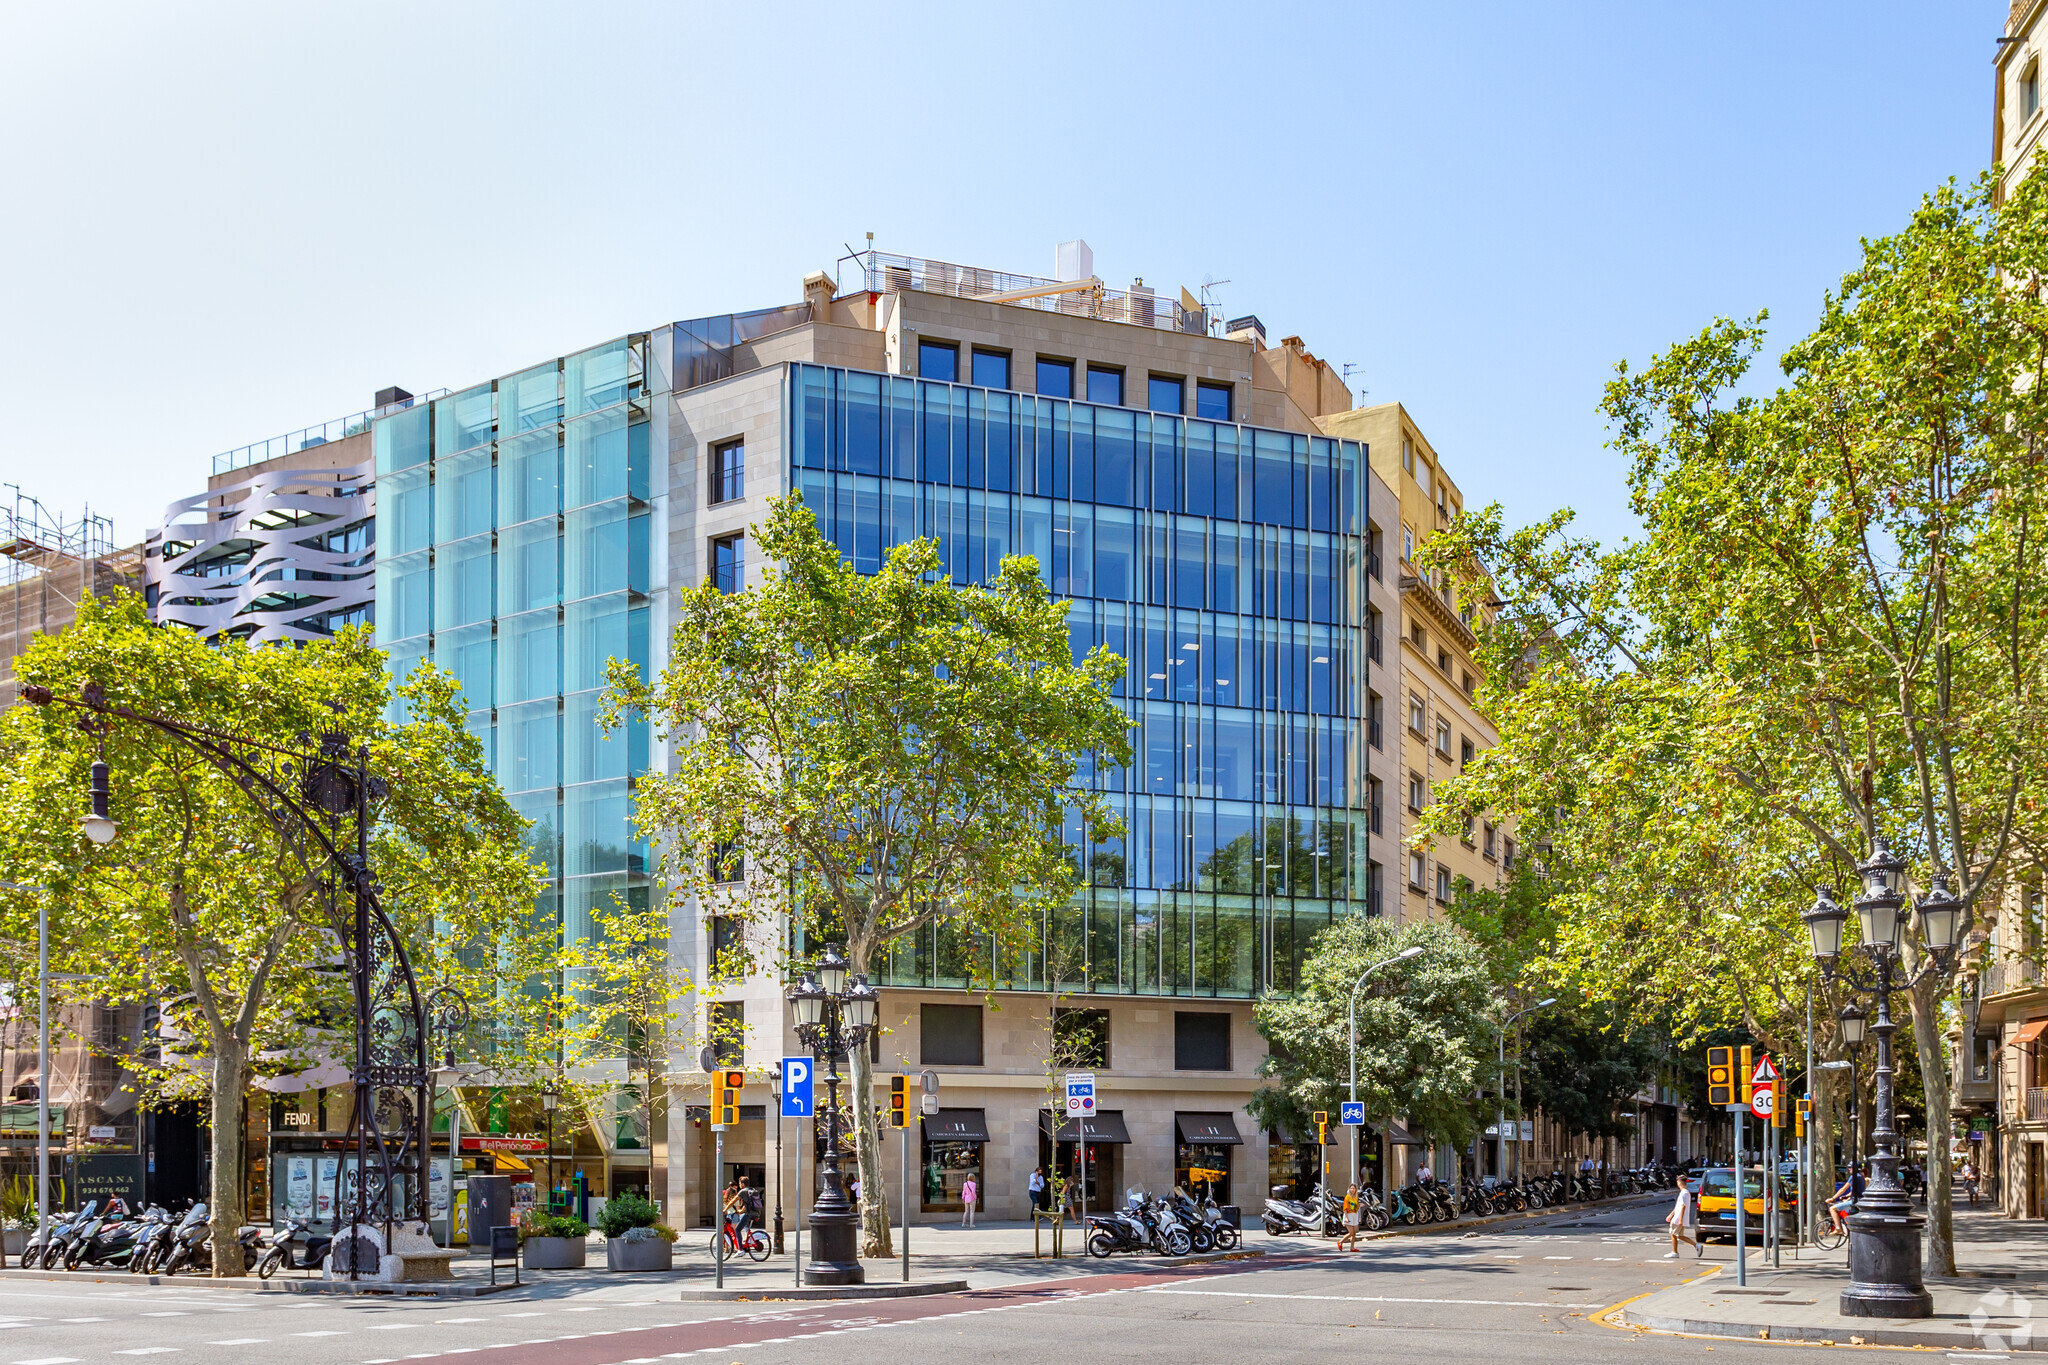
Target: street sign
point(1762, 1101)
point(799, 1093)
point(1765, 1073)
point(1528, 1130)
point(928, 1105)
point(1352, 1113)
point(928, 1081)
point(1080, 1094)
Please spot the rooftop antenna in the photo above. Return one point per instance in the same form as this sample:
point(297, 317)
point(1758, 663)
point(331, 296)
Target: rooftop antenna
point(1208, 304)
point(1349, 370)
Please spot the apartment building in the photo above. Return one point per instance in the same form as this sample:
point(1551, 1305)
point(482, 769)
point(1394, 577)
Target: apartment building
point(1169, 473)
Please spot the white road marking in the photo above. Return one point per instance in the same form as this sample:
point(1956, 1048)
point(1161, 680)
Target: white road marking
point(319, 1334)
point(238, 1341)
point(1367, 1298)
point(148, 1351)
point(49, 1360)
point(167, 1315)
point(1557, 1258)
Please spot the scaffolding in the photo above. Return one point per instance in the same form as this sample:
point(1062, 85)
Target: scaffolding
point(48, 565)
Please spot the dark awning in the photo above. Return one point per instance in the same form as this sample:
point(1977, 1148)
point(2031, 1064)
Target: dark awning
point(1213, 1129)
point(956, 1125)
point(1401, 1137)
point(1105, 1126)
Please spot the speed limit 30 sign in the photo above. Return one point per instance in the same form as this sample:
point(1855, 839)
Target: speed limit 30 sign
point(1761, 1102)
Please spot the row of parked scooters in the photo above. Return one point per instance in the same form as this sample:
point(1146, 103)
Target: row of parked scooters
point(159, 1242)
point(1172, 1226)
point(1433, 1201)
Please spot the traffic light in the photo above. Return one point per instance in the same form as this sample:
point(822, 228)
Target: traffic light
point(725, 1094)
point(1805, 1108)
point(1720, 1077)
point(1748, 1070)
point(1778, 1103)
point(899, 1101)
point(1322, 1118)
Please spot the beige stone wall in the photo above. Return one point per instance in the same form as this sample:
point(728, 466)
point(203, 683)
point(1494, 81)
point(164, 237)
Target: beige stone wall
point(2016, 135)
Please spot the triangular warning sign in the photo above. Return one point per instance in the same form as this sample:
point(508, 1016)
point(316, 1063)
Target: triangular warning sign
point(1765, 1073)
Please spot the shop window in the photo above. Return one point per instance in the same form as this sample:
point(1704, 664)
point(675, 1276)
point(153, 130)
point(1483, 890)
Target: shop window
point(1201, 1154)
point(1201, 1041)
point(938, 360)
point(1081, 1037)
point(952, 1147)
point(949, 1035)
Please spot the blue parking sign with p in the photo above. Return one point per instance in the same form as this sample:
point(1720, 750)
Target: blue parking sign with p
point(798, 1092)
point(1352, 1114)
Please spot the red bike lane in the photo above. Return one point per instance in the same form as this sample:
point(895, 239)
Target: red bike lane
point(796, 1321)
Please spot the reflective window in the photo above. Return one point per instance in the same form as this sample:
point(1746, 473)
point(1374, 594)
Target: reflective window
point(405, 599)
point(1105, 386)
point(603, 458)
point(938, 360)
point(404, 500)
point(1212, 401)
point(991, 369)
point(1056, 378)
point(530, 400)
point(601, 629)
point(596, 378)
point(1164, 395)
point(729, 563)
point(529, 656)
point(401, 440)
point(464, 486)
point(604, 550)
point(728, 471)
point(465, 582)
point(463, 421)
point(529, 477)
point(529, 566)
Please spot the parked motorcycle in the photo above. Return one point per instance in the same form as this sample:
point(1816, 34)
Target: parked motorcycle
point(1109, 1233)
point(46, 1246)
point(112, 1240)
point(153, 1243)
point(283, 1250)
point(1317, 1216)
point(192, 1247)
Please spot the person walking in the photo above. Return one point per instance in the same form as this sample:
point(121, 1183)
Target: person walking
point(1037, 1187)
point(969, 1193)
point(1351, 1209)
point(1684, 1220)
point(1970, 1181)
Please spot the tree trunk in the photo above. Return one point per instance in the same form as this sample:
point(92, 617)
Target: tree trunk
point(230, 1068)
point(1820, 1179)
point(1930, 1039)
point(867, 1143)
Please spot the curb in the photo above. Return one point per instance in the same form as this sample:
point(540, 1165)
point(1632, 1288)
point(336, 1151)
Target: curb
point(825, 1291)
point(249, 1284)
point(1846, 1332)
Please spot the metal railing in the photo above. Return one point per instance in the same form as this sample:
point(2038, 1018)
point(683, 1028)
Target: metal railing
point(2037, 1104)
point(293, 441)
point(885, 274)
point(2009, 974)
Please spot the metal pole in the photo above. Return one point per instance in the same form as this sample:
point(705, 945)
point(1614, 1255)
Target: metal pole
point(797, 1236)
point(778, 1164)
point(1741, 1208)
point(1807, 1227)
point(906, 1197)
point(43, 1064)
point(455, 1159)
point(1500, 1108)
point(718, 1204)
point(1354, 1082)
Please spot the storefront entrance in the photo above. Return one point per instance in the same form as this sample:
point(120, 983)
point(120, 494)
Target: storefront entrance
point(1093, 1185)
point(1202, 1154)
point(954, 1141)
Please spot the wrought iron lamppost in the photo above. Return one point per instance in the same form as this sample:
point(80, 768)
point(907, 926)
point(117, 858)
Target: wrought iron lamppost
point(833, 1017)
point(1854, 1020)
point(1884, 1233)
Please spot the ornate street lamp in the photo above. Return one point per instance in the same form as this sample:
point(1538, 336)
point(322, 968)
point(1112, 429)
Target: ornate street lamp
point(832, 1018)
point(1884, 1233)
point(1854, 1022)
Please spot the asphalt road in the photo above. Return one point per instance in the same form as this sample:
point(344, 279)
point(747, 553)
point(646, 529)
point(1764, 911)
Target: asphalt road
point(1518, 1293)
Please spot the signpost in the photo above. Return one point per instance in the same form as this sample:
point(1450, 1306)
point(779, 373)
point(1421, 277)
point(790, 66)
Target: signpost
point(1081, 1108)
point(799, 1101)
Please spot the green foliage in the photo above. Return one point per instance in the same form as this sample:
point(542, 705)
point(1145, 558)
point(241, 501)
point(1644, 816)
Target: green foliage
point(1425, 1029)
point(1832, 627)
point(626, 1210)
point(1580, 1074)
point(884, 752)
point(538, 1223)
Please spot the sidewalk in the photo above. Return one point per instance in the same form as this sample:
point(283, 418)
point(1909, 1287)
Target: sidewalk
point(1990, 1305)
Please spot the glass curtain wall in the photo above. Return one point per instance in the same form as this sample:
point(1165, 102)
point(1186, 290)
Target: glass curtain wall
point(521, 564)
point(1224, 563)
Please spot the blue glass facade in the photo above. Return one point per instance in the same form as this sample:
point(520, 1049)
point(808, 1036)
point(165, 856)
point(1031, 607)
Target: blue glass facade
point(1225, 564)
point(515, 557)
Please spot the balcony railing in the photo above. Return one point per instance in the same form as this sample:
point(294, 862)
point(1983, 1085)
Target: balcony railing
point(1090, 298)
point(2009, 974)
point(2037, 1104)
point(291, 442)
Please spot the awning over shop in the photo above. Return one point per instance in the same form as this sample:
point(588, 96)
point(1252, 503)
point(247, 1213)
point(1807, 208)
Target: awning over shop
point(2030, 1032)
point(503, 1142)
point(956, 1125)
point(1401, 1137)
point(506, 1162)
point(1212, 1129)
point(19, 1121)
point(1105, 1126)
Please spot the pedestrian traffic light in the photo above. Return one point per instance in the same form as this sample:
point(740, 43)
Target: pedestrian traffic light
point(1720, 1077)
point(726, 1083)
point(899, 1101)
point(1778, 1103)
point(1748, 1071)
point(1322, 1118)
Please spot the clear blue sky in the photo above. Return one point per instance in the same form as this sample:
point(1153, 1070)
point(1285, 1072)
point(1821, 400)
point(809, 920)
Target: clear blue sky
point(226, 222)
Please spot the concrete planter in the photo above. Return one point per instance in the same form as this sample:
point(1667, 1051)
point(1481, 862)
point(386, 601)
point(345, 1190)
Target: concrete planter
point(649, 1254)
point(552, 1253)
point(16, 1239)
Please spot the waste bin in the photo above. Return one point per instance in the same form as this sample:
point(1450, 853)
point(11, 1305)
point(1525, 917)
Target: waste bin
point(490, 1206)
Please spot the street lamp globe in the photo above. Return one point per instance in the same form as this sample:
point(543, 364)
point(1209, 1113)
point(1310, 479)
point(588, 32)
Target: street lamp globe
point(1545, 1003)
point(1824, 926)
point(98, 828)
point(1941, 916)
point(97, 825)
point(860, 1004)
point(832, 971)
point(1884, 874)
point(1854, 1020)
point(807, 1003)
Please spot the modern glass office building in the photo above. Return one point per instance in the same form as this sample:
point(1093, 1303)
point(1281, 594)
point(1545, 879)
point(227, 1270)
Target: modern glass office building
point(1225, 564)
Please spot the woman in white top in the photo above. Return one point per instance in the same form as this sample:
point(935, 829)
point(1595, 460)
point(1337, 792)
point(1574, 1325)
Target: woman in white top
point(1684, 1220)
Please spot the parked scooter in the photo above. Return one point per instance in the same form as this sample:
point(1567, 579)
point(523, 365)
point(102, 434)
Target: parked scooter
point(283, 1251)
point(1169, 1235)
point(1314, 1217)
point(153, 1243)
point(1109, 1233)
point(47, 1245)
point(112, 1240)
point(192, 1247)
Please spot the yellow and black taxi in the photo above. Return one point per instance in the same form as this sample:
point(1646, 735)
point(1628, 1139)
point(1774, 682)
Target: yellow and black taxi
point(1715, 1187)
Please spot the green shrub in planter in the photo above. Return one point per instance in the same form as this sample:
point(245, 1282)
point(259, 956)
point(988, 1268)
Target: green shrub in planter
point(625, 1211)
